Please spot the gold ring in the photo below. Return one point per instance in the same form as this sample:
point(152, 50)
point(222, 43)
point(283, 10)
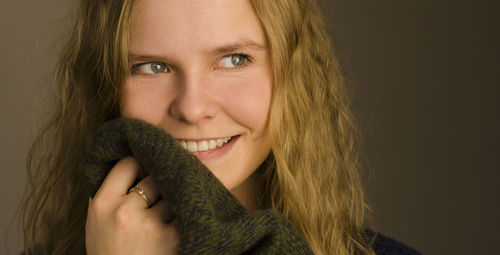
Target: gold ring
point(142, 194)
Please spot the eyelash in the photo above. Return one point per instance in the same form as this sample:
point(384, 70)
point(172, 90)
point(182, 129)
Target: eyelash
point(247, 59)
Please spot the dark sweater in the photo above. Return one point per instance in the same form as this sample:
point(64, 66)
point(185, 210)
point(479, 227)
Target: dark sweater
point(211, 220)
point(383, 245)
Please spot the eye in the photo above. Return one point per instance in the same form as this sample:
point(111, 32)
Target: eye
point(232, 61)
point(150, 68)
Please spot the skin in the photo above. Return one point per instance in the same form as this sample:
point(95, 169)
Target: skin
point(200, 70)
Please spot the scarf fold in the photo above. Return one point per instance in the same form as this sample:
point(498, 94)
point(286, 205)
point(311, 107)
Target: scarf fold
point(211, 220)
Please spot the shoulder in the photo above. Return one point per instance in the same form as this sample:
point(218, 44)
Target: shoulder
point(383, 245)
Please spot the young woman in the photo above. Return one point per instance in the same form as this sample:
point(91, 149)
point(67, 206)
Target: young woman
point(241, 84)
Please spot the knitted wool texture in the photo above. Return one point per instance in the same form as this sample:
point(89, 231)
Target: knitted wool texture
point(211, 220)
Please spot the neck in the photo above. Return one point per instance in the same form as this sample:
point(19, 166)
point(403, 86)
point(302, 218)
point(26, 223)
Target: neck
point(250, 192)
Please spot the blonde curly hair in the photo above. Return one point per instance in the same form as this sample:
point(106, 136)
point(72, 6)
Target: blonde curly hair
point(313, 174)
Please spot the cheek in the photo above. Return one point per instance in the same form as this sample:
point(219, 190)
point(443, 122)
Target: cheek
point(248, 103)
point(144, 104)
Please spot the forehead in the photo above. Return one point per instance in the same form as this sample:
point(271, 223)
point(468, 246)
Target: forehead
point(193, 25)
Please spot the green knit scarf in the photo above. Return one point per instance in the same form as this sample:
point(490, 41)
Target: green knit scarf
point(211, 220)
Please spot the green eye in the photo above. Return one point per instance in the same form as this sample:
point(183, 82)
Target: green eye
point(151, 68)
point(234, 60)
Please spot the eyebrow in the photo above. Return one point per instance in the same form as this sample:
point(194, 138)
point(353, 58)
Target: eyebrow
point(242, 44)
point(225, 48)
point(146, 58)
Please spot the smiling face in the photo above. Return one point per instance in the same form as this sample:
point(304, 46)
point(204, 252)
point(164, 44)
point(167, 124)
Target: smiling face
point(201, 71)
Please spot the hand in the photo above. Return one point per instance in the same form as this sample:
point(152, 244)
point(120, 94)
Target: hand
point(119, 222)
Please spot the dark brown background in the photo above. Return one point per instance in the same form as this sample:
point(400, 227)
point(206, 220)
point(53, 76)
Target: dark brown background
point(426, 76)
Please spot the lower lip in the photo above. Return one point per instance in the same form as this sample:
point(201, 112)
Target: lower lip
point(217, 152)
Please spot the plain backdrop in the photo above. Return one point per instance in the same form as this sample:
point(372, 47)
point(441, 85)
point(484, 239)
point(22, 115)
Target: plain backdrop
point(426, 76)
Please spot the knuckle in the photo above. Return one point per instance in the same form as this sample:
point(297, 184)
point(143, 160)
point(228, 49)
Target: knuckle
point(123, 215)
point(151, 225)
point(97, 207)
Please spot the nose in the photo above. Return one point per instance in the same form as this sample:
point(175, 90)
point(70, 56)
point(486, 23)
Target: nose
point(193, 102)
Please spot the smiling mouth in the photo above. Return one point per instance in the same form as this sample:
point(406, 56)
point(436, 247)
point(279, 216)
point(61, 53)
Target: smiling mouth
point(205, 145)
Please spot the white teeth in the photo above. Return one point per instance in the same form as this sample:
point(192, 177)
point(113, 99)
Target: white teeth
point(220, 142)
point(183, 144)
point(204, 145)
point(212, 144)
point(192, 146)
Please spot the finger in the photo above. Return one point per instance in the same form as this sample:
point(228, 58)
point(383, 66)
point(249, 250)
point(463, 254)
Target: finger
point(151, 193)
point(162, 210)
point(119, 178)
